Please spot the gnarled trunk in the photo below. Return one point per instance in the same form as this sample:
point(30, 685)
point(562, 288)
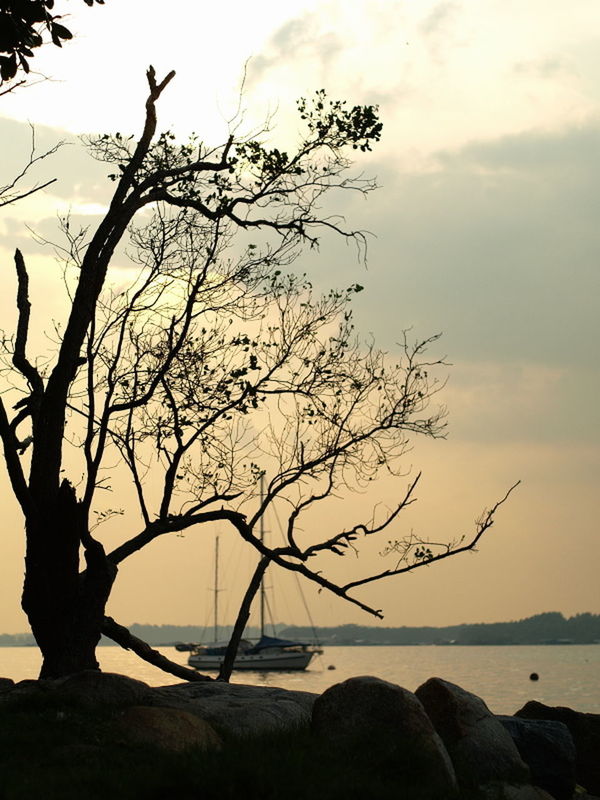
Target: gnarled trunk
point(65, 608)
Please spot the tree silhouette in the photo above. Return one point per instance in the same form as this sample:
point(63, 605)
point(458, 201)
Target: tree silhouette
point(207, 366)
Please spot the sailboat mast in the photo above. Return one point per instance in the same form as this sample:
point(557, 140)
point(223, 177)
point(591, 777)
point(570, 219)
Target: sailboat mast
point(262, 538)
point(216, 605)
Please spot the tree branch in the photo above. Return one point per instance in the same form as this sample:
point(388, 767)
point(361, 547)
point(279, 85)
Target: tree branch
point(341, 539)
point(482, 525)
point(6, 198)
point(185, 522)
point(242, 619)
point(16, 197)
point(120, 635)
point(13, 465)
point(24, 307)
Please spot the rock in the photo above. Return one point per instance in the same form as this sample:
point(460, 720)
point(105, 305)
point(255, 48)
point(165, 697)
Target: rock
point(585, 730)
point(238, 709)
point(24, 688)
point(508, 791)
point(548, 750)
point(166, 728)
point(93, 688)
point(6, 684)
point(88, 689)
point(485, 758)
point(386, 725)
point(80, 752)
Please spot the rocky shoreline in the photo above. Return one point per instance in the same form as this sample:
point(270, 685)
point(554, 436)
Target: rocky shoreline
point(438, 743)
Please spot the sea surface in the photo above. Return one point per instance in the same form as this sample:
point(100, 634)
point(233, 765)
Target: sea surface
point(569, 675)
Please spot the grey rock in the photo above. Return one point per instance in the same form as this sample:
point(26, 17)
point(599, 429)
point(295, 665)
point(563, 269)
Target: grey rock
point(239, 709)
point(482, 751)
point(386, 725)
point(6, 684)
point(548, 749)
point(585, 730)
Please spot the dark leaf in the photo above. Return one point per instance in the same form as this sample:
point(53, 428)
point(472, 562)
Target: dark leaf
point(59, 30)
point(24, 63)
point(8, 67)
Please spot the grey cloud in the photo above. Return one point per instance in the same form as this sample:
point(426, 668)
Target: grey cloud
point(511, 406)
point(296, 38)
point(439, 29)
point(548, 68)
point(439, 20)
point(498, 250)
point(572, 151)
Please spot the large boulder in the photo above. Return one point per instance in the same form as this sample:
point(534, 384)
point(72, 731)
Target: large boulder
point(585, 730)
point(485, 758)
point(238, 709)
point(93, 689)
point(89, 689)
point(6, 684)
point(166, 728)
point(386, 726)
point(548, 750)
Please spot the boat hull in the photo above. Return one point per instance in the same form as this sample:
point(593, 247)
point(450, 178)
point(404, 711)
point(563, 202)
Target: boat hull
point(254, 662)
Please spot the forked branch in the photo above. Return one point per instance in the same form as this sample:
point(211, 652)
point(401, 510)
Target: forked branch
point(423, 554)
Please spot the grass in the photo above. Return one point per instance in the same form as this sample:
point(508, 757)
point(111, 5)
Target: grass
point(52, 752)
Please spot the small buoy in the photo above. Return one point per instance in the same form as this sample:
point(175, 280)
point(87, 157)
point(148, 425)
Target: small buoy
point(331, 666)
point(534, 676)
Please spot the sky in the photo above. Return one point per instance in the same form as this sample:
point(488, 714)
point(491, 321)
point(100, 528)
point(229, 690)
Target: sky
point(484, 229)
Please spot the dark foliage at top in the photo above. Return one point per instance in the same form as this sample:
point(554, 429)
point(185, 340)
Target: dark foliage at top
point(22, 25)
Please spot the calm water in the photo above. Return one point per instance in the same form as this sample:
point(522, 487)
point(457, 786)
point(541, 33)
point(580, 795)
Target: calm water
point(569, 675)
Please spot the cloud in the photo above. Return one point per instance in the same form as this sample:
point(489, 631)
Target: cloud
point(299, 39)
point(497, 248)
point(439, 29)
point(554, 152)
point(521, 402)
point(546, 68)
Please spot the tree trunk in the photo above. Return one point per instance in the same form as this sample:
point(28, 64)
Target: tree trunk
point(242, 620)
point(65, 608)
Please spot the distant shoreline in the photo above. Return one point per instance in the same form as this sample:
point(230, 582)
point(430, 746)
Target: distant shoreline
point(549, 628)
point(383, 644)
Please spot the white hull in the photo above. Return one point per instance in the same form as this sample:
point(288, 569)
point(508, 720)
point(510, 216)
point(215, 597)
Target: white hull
point(255, 661)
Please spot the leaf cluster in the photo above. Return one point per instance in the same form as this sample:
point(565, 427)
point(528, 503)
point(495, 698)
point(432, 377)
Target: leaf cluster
point(22, 23)
point(333, 122)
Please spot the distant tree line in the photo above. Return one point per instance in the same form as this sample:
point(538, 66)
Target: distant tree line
point(548, 628)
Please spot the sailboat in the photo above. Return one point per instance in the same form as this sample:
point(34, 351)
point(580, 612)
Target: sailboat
point(268, 653)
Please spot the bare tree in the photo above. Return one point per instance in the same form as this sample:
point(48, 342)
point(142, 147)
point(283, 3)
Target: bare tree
point(208, 366)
